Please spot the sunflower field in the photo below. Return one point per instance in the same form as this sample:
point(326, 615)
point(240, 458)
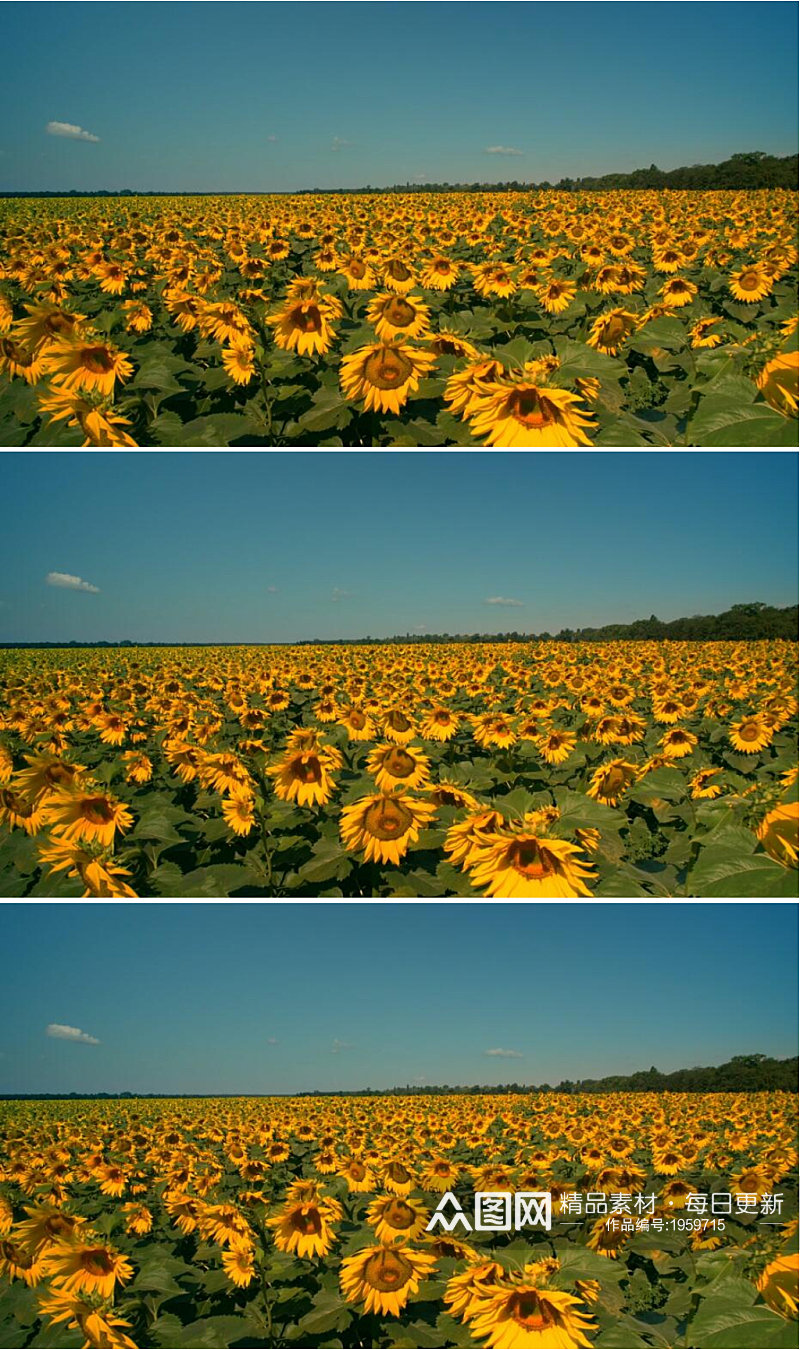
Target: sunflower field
point(509, 770)
point(516, 319)
point(295, 1221)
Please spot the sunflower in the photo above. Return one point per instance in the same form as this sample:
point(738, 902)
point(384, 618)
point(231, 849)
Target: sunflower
point(138, 316)
point(702, 335)
point(238, 360)
point(608, 783)
point(239, 1264)
point(678, 292)
point(777, 1285)
point(45, 324)
point(82, 814)
point(358, 273)
point(440, 1175)
point(778, 833)
point(610, 330)
point(19, 1264)
point(447, 343)
point(606, 1239)
point(45, 774)
point(360, 1179)
point(750, 284)
point(139, 1220)
point(238, 810)
point(101, 426)
point(523, 415)
point(750, 735)
point(778, 382)
point(394, 766)
point(439, 724)
point(303, 1229)
point(467, 1290)
point(102, 1328)
point(528, 1317)
point(556, 746)
point(384, 825)
point(450, 794)
point(463, 841)
point(384, 374)
point(86, 1267)
point(463, 389)
point(83, 363)
point(16, 360)
point(394, 1217)
point(138, 767)
point(303, 326)
point(358, 725)
point(398, 316)
point(677, 743)
point(702, 786)
point(384, 1278)
point(440, 274)
point(528, 867)
point(45, 1225)
point(707, 1237)
point(102, 877)
point(398, 276)
point(556, 295)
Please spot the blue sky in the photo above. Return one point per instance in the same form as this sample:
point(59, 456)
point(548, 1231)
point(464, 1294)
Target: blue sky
point(284, 998)
point(275, 97)
point(233, 546)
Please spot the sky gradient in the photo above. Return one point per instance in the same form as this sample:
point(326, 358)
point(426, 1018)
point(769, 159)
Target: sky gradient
point(281, 998)
point(276, 97)
point(232, 546)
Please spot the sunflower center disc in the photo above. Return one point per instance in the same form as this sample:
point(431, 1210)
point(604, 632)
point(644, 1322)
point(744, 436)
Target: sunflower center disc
point(387, 1271)
point(399, 763)
point(400, 313)
point(528, 858)
point(97, 811)
point(388, 370)
point(96, 1262)
point(97, 360)
point(530, 409)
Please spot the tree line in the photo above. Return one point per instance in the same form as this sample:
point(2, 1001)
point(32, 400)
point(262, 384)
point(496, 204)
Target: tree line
point(743, 170)
point(741, 623)
point(742, 1073)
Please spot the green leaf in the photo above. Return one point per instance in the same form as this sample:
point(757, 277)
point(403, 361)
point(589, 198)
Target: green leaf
point(330, 861)
point(218, 881)
point(330, 1313)
point(722, 420)
point(722, 1324)
point(723, 872)
point(208, 1333)
point(328, 409)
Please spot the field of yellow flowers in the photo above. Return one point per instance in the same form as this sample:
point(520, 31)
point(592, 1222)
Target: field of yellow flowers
point(530, 770)
point(291, 1221)
point(506, 319)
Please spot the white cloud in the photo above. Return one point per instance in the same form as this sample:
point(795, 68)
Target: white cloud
point(338, 1046)
point(272, 1040)
point(272, 590)
point(338, 594)
point(503, 150)
point(62, 1033)
point(273, 139)
point(504, 1054)
point(69, 130)
point(339, 143)
point(502, 600)
point(69, 583)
